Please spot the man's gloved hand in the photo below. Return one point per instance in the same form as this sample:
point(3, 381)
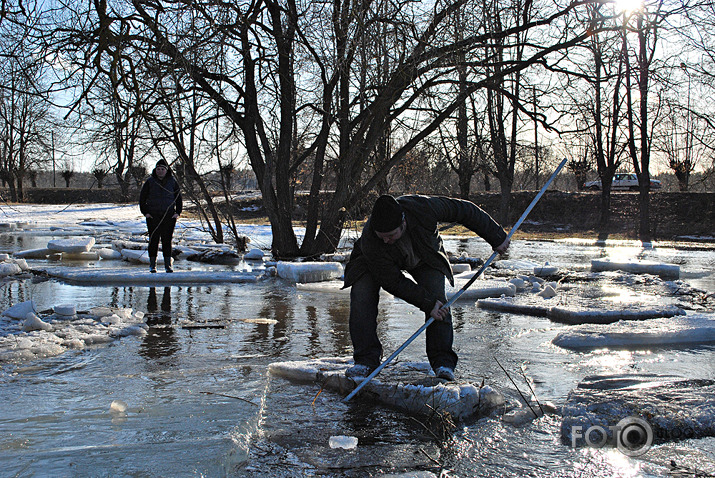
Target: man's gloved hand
point(501, 248)
point(438, 313)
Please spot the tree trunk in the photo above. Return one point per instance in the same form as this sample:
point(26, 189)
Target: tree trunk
point(504, 200)
point(605, 216)
point(645, 233)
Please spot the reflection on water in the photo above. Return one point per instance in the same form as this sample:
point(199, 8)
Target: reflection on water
point(200, 401)
point(160, 340)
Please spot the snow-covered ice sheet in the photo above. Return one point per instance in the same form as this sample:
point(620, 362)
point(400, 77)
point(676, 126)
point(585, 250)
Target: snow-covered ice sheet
point(574, 314)
point(665, 332)
point(100, 276)
point(481, 288)
point(409, 386)
point(636, 267)
point(593, 311)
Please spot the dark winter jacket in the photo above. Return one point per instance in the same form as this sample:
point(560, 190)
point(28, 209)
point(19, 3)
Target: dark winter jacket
point(160, 198)
point(423, 215)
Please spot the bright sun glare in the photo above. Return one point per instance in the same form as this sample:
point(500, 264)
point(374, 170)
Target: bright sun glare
point(628, 6)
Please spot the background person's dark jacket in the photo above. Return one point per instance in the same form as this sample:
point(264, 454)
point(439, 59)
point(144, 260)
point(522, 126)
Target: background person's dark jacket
point(423, 215)
point(160, 198)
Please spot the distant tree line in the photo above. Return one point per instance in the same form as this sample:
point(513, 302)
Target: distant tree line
point(355, 99)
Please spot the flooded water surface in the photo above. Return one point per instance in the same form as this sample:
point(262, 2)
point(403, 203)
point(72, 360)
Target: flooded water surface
point(193, 397)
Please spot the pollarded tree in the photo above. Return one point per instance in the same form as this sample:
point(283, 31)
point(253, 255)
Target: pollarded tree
point(67, 175)
point(580, 169)
point(683, 140)
point(99, 174)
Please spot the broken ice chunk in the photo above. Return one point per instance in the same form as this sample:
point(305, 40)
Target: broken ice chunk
point(342, 441)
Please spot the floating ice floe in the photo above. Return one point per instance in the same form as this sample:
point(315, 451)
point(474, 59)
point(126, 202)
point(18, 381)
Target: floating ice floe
point(342, 441)
point(107, 254)
point(671, 408)
point(101, 276)
point(65, 310)
point(598, 312)
point(464, 258)
point(526, 305)
point(460, 268)
point(71, 245)
point(120, 244)
point(254, 255)
point(20, 310)
point(520, 283)
point(335, 257)
point(140, 256)
point(670, 332)
point(408, 386)
point(41, 253)
point(516, 264)
point(301, 272)
point(260, 321)
point(212, 256)
point(333, 286)
point(118, 406)
point(9, 268)
point(547, 292)
point(80, 256)
point(636, 267)
point(186, 251)
point(545, 270)
point(482, 288)
point(33, 322)
point(574, 314)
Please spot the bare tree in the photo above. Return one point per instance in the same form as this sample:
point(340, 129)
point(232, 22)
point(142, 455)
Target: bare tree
point(642, 115)
point(600, 106)
point(288, 83)
point(24, 106)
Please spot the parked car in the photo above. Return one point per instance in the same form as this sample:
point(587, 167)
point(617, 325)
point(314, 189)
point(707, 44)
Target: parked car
point(622, 182)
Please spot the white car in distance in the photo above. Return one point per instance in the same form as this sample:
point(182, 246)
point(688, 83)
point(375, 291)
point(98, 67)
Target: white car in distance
point(621, 182)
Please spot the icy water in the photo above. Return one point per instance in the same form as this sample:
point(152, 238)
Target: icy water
point(199, 400)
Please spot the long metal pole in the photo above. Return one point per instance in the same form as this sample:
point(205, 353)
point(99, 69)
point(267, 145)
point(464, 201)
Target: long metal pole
point(461, 291)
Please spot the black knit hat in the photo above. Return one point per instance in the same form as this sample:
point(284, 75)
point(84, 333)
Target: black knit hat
point(162, 162)
point(386, 214)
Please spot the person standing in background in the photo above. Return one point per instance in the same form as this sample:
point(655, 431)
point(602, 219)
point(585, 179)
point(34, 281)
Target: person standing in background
point(160, 203)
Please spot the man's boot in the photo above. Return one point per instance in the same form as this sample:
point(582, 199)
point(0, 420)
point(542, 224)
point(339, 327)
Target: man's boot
point(152, 264)
point(168, 263)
